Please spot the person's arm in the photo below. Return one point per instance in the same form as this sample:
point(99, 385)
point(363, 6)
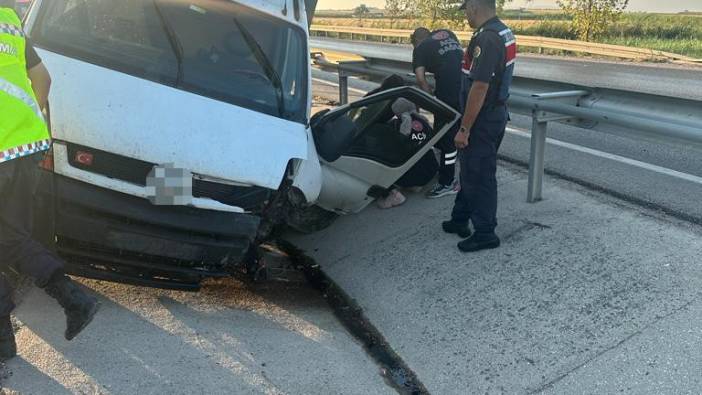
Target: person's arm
point(41, 83)
point(476, 99)
point(420, 73)
point(419, 65)
point(38, 75)
point(487, 56)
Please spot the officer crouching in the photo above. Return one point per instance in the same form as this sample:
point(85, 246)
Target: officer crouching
point(488, 66)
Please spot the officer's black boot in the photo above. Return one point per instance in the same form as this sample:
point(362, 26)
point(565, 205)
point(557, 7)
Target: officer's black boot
point(80, 308)
point(479, 242)
point(456, 228)
point(8, 347)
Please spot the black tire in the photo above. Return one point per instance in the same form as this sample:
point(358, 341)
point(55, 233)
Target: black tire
point(310, 219)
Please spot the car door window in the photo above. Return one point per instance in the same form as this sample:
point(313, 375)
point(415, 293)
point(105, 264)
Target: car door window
point(378, 132)
point(365, 147)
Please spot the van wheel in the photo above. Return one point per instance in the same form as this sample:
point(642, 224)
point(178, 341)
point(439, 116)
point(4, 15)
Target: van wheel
point(310, 219)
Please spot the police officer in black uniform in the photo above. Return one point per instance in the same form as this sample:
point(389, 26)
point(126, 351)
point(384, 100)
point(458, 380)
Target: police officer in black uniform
point(439, 52)
point(488, 66)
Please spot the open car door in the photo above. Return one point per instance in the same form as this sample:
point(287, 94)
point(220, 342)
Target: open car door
point(363, 151)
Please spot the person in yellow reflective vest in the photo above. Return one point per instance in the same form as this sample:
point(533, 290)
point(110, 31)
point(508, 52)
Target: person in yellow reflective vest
point(24, 137)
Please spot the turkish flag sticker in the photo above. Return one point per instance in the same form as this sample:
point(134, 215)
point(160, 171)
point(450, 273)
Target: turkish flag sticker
point(84, 158)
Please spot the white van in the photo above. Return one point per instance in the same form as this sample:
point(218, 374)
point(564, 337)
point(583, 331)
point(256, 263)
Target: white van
point(220, 91)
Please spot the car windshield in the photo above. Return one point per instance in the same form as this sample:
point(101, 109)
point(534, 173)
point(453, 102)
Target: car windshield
point(214, 48)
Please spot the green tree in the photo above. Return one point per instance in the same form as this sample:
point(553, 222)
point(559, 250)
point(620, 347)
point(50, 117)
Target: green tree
point(435, 12)
point(361, 11)
point(590, 18)
point(501, 4)
point(398, 9)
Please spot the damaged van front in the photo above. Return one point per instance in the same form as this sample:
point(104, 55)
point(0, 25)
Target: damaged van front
point(213, 92)
point(182, 135)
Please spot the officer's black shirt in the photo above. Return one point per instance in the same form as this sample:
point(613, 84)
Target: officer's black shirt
point(485, 55)
point(441, 54)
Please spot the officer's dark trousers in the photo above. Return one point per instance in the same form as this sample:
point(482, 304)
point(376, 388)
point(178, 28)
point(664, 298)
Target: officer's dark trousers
point(18, 250)
point(477, 200)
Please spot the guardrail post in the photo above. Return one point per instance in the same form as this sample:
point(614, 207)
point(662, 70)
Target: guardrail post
point(343, 87)
point(536, 159)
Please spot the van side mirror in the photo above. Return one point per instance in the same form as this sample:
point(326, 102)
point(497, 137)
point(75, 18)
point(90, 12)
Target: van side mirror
point(310, 7)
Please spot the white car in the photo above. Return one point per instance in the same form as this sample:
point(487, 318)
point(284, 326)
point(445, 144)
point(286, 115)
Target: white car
point(218, 93)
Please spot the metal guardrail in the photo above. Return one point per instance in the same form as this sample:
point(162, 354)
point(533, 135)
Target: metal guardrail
point(615, 51)
point(606, 110)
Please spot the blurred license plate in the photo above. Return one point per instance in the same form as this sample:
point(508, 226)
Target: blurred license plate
point(167, 185)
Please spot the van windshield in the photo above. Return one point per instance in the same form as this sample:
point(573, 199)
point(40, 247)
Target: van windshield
point(214, 48)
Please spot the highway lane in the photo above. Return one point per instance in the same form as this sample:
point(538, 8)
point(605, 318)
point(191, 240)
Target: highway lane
point(658, 79)
point(602, 160)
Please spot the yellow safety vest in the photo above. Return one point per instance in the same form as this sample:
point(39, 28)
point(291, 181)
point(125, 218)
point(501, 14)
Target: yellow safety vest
point(23, 129)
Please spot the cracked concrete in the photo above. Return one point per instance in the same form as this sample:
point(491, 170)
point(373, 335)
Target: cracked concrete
point(586, 291)
point(662, 358)
point(566, 377)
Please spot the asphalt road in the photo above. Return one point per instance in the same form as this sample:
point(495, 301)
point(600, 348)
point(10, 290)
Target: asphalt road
point(665, 175)
point(659, 79)
point(662, 174)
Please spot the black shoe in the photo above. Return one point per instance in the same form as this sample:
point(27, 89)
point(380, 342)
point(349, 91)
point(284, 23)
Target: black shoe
point(80, 308)
point(474, 244)
point(8, 347)
point(456, 228)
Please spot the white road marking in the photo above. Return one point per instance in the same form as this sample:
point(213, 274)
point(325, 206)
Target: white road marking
point(613, 157)
point(600, 154)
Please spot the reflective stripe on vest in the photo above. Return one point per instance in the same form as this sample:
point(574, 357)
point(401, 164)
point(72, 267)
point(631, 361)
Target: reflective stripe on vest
point(510, 46)
point(24, 150)
point(23, 129)
point(17, 92)
point(10, 29)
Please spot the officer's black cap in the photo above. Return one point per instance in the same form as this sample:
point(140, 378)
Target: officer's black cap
point(464, 4)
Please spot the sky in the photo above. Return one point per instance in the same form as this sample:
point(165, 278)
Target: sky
point(634, 5)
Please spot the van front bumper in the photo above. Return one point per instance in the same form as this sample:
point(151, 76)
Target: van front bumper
point(113, 236)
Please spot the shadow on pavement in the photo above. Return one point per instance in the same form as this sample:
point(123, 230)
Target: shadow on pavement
point(35, 381)
point(224, 339)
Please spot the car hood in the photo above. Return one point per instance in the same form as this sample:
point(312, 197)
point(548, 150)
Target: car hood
point(112, 111)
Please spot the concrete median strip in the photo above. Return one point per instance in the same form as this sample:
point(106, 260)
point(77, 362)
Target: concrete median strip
point(580, 277)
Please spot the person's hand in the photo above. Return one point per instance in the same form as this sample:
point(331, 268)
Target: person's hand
point(461, 139)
